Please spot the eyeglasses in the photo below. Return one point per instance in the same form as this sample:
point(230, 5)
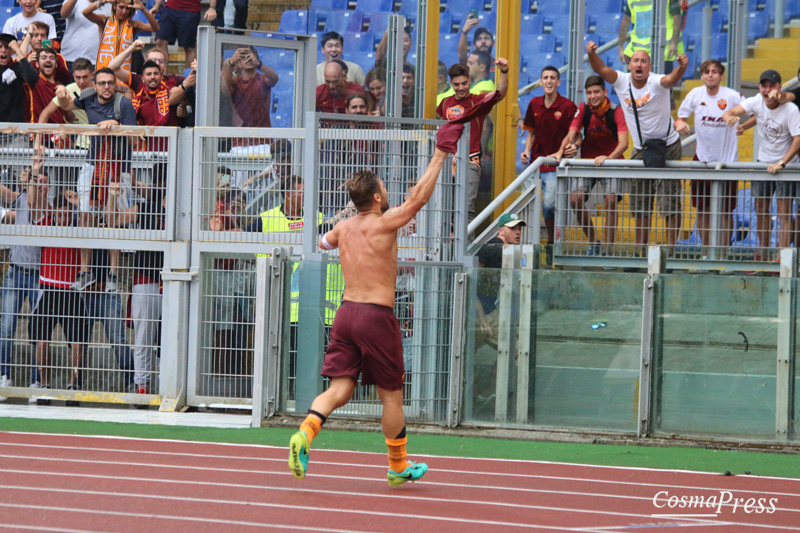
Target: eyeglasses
point(156, 60)
point(599, 325)
point(104, 83)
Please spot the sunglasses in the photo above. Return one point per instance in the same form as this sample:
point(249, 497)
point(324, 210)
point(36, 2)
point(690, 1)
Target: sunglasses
point(599, 325)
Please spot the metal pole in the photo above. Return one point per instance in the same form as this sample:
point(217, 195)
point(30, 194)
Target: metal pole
point(705, 46)
point(784, 385)
point(394, 66)
point(260, 342)
point(458, 338)
point(779, 18)
point(577, 30)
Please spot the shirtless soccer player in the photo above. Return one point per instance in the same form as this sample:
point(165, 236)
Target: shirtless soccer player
point(365, 338)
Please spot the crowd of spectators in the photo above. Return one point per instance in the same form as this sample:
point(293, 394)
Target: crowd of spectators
point(79, 62)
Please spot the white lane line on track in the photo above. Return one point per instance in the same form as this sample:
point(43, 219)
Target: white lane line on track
point(20, 527)
point(382, 467)
point(170, 517)
point(315, 509)
point(396, 495)
point(526, 461)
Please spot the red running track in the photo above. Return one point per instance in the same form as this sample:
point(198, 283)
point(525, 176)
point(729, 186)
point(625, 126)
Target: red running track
point(82, 483)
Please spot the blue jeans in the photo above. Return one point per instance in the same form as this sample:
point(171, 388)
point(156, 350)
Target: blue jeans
point(18, 284)
point(548, 193)
point(107, 307)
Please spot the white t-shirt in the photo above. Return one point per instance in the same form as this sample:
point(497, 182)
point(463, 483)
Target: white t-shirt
point(19, 22)
point(715, 140)
point(653, 105)
point(81, 37)
point(775, 128)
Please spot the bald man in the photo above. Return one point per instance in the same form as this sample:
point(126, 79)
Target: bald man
point(332, 95)
point(652, 96)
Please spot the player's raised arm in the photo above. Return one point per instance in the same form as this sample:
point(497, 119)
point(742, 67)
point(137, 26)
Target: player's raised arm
point(418, 196)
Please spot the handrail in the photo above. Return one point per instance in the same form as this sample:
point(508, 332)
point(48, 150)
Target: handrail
point(530, 87)
point(508, 191)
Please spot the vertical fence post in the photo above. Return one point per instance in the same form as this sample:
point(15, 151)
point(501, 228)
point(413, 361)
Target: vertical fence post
point(526, 324)
point(655, 266)
point(260, 341)
point(715, 223)
point(177, 277)
point(458, 340)
point(784, 386)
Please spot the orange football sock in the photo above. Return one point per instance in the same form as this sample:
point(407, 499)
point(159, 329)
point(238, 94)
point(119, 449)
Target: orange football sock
point(397, 454)
point(312, 425)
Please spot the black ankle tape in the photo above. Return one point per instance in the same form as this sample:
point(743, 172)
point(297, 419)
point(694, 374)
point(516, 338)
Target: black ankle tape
point(402, 434)
point(324, 418)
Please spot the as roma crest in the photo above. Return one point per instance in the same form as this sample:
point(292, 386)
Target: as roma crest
point(722, 103)
point(557, 114)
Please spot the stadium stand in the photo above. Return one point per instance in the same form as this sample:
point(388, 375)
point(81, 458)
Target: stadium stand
point(343, 21)
point(359, 42)
point(375, 5)
point(331, 4)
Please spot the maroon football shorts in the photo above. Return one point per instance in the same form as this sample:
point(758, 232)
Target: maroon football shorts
point(365, 339)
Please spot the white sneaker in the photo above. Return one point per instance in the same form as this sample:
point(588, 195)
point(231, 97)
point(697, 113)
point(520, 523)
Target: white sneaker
point(36, 385)
point(5, 381)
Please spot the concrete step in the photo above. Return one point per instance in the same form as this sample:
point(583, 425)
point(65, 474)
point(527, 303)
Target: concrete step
point(752, 68)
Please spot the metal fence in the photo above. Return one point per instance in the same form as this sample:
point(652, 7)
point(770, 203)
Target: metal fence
point(731, 216)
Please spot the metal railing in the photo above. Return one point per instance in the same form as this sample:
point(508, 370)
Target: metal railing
point(713, 220)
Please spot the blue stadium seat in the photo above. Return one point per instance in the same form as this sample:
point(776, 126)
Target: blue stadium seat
point(294, 21)
point(408, 8)
point(343, 20)
point(461, 8)
point(608, 24)
point(363, 58)
point(544, 44)
point(330, 4)
point(448, 48)
point(600, 38)
point(558, 26)
point(791, 9)
point(375, 6)
point(551, 7)
point(719, 47)
point(445, 23)
point(283, 59)
point(531, 25)
point(317, 16)
point(757, 27)
point(359, 42)
point(606, 6)
point(378, 24)
point(488, 20)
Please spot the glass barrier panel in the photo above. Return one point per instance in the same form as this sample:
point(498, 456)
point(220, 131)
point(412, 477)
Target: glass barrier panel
point(718, 338)
point(577, 333)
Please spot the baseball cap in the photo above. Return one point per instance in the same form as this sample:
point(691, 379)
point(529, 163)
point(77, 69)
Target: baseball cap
point(510, 220)
point(770, 75)
point(7, 38)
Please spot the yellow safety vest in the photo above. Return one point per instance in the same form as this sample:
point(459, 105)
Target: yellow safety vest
point(642, 19)
point(485, 86)
point(275, 220)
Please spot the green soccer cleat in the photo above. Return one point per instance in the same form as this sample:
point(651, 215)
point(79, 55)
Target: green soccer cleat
point(412, 473)
point(298, 454)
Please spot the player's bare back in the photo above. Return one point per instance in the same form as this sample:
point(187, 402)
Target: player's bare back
point(368, 254)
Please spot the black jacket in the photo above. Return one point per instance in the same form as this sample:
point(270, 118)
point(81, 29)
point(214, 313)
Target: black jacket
point(12, 96)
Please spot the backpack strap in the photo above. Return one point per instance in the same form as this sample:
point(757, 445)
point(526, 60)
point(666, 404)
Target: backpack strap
point(118, 107)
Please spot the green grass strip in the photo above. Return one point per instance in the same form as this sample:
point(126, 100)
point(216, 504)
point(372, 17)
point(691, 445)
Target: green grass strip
point(675, 457)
